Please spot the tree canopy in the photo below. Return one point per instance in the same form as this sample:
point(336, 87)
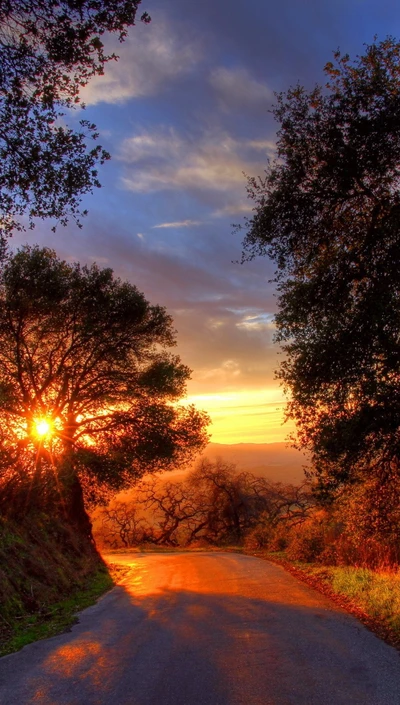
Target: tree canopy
point(327, 211)
point(49, 49)
point(88, 385)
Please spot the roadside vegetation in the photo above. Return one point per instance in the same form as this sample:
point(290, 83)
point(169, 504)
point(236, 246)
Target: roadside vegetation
point(327, 213)
point(88, 392)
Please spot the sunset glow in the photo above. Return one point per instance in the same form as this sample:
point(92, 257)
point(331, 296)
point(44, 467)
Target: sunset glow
point(245, 416)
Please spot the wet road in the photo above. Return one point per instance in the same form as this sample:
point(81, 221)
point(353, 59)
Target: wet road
point(206, 629)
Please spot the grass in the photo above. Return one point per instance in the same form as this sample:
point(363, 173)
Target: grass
point(59, 616)
point(377, 593)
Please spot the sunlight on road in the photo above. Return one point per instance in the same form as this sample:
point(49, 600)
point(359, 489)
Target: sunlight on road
point(152, 574)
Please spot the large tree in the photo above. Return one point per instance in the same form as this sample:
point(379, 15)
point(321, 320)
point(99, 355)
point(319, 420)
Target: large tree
point(88, 387)
point(49, 49)
point(327, 212)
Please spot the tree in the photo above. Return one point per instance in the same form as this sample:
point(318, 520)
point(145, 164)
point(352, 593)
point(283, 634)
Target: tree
point(328, 213)
point(173, 508)
point(88, 387)
point(121, 525)
point(49, 49)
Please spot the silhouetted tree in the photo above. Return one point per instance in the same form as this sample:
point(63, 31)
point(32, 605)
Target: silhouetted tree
point(49, 49)
point(172, 506)
point(328, 213)
point(87, 354)
point(121, 525)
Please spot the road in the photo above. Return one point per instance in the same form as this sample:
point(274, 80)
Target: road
point(206, 629)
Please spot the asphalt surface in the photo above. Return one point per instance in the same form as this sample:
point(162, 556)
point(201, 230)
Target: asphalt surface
point(206, 629)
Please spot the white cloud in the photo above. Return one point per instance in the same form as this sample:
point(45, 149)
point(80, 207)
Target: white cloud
point(236, 88)
point(236, 208)
point(165, 145)
point(268, 146)
point(179, 224)
point(257, 322)
point(150, 58)
point(164, 160)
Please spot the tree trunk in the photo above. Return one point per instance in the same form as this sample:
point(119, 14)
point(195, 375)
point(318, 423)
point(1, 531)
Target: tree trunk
point(73, 498)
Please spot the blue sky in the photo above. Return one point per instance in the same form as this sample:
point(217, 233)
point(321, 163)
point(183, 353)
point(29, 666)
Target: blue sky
point(185, 113)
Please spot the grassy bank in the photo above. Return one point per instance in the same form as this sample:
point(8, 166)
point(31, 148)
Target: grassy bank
point(48, 572)
point(54, 618)
point(372, 596)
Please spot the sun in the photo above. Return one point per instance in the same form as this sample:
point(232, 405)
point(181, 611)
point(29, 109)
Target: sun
point(43, 427)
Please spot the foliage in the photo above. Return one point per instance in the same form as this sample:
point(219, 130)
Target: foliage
point(328, 214)
point(352, 531)
point(90, 354)
point(49, 49)
point(307, 541)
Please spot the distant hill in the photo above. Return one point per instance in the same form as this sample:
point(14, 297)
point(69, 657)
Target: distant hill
point(275, 461)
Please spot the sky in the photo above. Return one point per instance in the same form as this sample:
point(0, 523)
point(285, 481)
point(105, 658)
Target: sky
point(185, 113)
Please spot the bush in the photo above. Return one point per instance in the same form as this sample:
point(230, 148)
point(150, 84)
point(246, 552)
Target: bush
point(259, 537)
point(279, 538)
point(307, 543)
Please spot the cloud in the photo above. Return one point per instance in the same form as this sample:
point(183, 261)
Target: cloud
point(221, 310)
point(163, 145)
point(164, 160)
point(235, 88)
point(236, 208)
point(257, 321)
point(151, 58)
point(268, 146)
point(179, 224)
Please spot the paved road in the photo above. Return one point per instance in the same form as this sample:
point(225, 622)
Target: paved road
point(206, 629)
